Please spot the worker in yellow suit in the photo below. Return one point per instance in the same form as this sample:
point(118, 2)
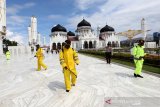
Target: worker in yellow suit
point(40, 57)
point(8, 55)
point(138, 53)
point(68, 59)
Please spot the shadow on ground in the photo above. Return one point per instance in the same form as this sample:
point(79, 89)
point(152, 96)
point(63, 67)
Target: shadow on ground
point(56, 85)
point(124, 75)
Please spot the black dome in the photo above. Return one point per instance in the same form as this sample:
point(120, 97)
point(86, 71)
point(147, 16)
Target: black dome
point(107, 29)
point(58, 28)
point(84, 23)
point(70, 33)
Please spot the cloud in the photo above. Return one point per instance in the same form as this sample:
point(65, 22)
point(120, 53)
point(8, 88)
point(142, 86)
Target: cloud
point(14, 36)
point(16, 19)
point(54, 16)
point(14, 9)
point(86, 4)
point(121, 14)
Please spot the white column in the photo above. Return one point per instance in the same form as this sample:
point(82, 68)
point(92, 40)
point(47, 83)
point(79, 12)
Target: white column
point(29, 35)
point(34, 28)
point(82, 45)
point(39, 38)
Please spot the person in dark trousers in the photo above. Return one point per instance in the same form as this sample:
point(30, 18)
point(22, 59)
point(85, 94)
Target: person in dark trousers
point(108, 53)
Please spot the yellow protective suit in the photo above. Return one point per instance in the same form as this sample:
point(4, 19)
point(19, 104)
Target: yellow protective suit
point(138, 52)
point(68, 58)
point(8, 55)
point(40, 57)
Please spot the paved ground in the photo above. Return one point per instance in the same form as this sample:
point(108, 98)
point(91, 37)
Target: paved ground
point(98, 85)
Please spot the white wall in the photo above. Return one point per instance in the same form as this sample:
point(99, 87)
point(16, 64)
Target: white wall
point(18, 50)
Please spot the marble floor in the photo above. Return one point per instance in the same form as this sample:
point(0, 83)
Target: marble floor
point(98, 85)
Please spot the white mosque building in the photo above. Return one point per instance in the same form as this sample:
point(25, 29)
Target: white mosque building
point(84, 37)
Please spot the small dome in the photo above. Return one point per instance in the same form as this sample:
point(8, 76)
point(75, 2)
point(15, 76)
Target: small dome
point(58, 28)
point(70, 33)
point(107, 29)
point(84, 23)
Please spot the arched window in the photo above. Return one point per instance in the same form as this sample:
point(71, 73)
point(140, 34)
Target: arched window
point(85, 45)
point(54, 47)
point(90, 44)
point(58, 45)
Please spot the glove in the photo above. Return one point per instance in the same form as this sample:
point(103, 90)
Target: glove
point(141, 57)
point(65, 68)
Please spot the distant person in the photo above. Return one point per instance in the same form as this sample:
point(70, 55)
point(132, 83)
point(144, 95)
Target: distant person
point(138, 54)
point(40, 58)
point(8, 55)
point(32, 49)
point(108, 53)
point(52, 51)
point(68, 59)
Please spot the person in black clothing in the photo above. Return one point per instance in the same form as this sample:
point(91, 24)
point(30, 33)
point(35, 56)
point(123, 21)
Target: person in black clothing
point(108, 53)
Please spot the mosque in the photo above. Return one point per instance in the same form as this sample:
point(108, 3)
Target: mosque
point(84, 37)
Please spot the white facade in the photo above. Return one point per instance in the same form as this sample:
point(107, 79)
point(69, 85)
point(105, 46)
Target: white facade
point(39, 38)
point(57, 38)
point(32, 31)
point(85, 37)
point(2, 22)
point(110, 38)
point(150, 45)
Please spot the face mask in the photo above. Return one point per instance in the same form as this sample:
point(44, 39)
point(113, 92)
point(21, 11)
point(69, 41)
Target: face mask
point(67, 46)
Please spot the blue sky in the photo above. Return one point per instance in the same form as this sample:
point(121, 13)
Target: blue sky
point(120, 14)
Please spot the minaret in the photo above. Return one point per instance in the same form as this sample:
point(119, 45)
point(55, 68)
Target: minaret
point(98, 31)
point(39, 38)
point(143, 28)
point(34, 29)
point(29, 36)
point(2, 23)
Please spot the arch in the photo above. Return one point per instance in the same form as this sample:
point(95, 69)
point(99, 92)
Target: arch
point(90, 44)
point(54, 46)
point(85, 45)
point(109, 43)
point(113, 44)
point(59, 46)
point(117, 44)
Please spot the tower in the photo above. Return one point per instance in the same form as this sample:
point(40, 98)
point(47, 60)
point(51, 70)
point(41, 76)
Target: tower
point(2, 23)
point(34, 29)
point(143, 28)
point(29, 36)
point(39, 38)
point(98, 31)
